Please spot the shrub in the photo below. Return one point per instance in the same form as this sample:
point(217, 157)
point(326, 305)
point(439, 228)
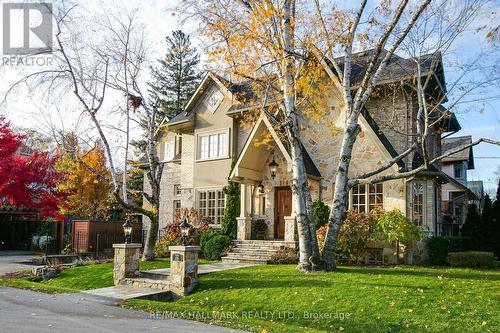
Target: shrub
point(321, 234)
point(321, 212)
point(285, 255)
point(232, 209)
point(395, 227)
point(215, 246)
point(206, 236)
point(438, 248)
point(470, 259)
point(355, 232)
point(161, 247)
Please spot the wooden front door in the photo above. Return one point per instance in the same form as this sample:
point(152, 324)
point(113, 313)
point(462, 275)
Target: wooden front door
point(282, 208)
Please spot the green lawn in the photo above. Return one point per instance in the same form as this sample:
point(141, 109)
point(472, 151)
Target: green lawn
point(399, 299)
point(75, 279)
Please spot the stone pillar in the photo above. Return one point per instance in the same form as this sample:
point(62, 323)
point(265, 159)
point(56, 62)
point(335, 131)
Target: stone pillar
point(126, 262)
point(183, 269)
point(290, 229)
point(244, 228)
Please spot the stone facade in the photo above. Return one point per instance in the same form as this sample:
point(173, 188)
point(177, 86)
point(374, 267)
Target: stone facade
point(183, 269)
point(126, 262)
point(321, 136)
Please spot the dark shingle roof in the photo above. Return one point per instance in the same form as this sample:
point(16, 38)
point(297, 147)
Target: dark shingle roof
point(397, 69)
point(448, 144)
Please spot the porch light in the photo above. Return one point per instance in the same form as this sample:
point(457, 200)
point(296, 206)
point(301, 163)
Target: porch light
point(127, 230)
point(273, 167)
point(185, 228)
point(261, 189)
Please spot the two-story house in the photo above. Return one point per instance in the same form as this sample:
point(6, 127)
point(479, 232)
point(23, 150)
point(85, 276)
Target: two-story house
point(198, 147)
point(455, 194)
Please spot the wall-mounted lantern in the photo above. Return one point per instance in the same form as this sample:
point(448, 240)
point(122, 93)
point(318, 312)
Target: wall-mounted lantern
point(273, 167)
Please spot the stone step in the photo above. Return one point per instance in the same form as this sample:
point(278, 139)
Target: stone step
point(125, 292)
point(235, 255)
point(243, 260)
point(143, 282)
point(264, 242)
point(154, 275)
point(266, 252)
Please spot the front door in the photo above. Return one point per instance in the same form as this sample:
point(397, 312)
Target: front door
point(282, 208)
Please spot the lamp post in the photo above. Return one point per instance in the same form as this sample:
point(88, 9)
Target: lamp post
point(273, 167)
point(185, 228)
point(127, 230)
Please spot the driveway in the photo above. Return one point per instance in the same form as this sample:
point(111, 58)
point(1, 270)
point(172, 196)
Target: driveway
point(29, 311)
point(11, 261)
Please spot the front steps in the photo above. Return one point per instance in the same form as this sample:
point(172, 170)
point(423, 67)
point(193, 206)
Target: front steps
point(254, 251)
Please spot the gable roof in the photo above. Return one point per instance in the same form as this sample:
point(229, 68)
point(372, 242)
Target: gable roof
point(448, 144)
point(262, 124)
point(397, 68)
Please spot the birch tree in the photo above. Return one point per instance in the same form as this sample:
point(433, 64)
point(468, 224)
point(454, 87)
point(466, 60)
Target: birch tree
point(265, 40)
point(101, 67)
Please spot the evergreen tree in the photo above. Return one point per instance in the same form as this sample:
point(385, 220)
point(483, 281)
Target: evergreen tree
point(471, 229)
point(176, 77)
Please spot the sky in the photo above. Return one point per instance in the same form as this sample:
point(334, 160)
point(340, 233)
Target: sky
point(26, 108)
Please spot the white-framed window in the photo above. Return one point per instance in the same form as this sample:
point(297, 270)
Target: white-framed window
point(417, 198)
point(364, 198)
point(211, 203)
point(169, 149)
point(177, 190)
point(213, 145)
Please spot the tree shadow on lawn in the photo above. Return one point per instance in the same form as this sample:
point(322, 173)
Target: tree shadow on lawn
point(245, 280)
point(478, 274)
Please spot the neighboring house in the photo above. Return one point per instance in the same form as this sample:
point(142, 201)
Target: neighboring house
point(200, 144)
point(477, 187)
point(455, 194)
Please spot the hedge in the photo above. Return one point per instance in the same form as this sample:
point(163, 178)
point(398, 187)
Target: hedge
point(439, 247)
point(470, 259)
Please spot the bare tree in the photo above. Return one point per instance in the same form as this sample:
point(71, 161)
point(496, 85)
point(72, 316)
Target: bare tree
point(106, 63)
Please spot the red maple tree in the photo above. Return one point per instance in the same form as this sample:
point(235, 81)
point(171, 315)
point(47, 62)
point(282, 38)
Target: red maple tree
point(27, 180)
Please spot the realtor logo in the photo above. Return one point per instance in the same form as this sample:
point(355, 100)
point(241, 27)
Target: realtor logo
point(27, 28)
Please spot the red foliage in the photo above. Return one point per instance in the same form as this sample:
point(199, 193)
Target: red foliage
point(27, 181)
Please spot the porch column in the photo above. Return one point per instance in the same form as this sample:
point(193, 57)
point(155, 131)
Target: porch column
point(290, 229)
point(244, 228)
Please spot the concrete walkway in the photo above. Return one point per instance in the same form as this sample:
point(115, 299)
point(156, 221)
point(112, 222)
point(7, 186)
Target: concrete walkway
point(203, 269)
point(122, 293)
point(12, 261)
point(29, 311)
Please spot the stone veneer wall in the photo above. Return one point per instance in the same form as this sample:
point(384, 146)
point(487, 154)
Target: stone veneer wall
point(322, 138)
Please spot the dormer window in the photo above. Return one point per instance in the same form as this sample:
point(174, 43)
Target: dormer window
point(214, 99)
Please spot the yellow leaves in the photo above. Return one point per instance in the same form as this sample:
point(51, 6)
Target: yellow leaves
point(392, 303)
point(442, 307)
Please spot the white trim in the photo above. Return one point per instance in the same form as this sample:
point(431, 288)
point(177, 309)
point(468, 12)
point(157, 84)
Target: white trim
point(206, 189)
point(225, 130)
point(277, 140)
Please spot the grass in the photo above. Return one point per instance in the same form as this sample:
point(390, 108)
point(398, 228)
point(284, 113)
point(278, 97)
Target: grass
point(398, 299)
point(79, 278)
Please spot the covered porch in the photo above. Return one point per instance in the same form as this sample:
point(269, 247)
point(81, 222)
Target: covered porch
point(264, 171)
